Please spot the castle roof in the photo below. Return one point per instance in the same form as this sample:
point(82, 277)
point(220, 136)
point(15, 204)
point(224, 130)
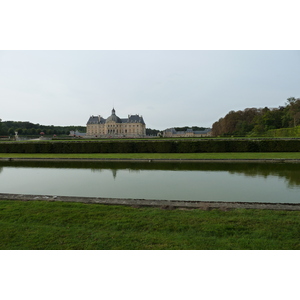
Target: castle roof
point(96, 120)
point(114, 118)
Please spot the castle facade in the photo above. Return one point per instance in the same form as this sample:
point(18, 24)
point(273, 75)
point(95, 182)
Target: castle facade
point(171, 132)
point(113, 126)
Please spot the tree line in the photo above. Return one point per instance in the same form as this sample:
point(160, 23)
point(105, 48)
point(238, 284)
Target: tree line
point(152, 132)
point(257, 121)
point(8, 128)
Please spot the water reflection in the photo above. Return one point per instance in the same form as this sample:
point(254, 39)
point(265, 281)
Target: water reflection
point(289, 171)
point(242, 182)
point(114, 170)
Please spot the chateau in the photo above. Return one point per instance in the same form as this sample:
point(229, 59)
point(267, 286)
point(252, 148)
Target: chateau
point(113, 126)
point(171, 132)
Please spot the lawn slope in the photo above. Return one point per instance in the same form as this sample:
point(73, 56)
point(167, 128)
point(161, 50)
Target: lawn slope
point(51, 225)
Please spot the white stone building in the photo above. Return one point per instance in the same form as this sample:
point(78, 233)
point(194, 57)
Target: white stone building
point(171, 132)
point(113, 126)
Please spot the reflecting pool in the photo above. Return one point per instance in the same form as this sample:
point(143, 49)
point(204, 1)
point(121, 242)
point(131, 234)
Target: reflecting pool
point(233, 182)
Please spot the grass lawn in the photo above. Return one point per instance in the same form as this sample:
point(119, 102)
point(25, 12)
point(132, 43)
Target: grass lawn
point(227, 155)
point(57, 225)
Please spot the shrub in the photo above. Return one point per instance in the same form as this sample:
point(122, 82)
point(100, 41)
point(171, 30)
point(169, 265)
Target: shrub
point(157, 146)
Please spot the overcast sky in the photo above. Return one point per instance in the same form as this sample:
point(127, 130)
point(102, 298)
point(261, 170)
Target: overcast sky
point(168, 88)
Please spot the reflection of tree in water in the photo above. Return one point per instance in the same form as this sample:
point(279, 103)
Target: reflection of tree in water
point(96, 170)
point(134, 171)
point(114, 171)
point(1, 169)
point(292, 180)
point(290, 172)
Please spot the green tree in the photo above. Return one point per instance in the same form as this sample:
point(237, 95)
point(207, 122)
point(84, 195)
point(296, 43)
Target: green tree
point(11, 131)
point(20, 131)
point(150, 131)
point(293, 105)
point(32, 131)
point(272, 119)
point(4, 129)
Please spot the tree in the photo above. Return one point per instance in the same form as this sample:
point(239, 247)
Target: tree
point(11, 131)
point(217, 128)
point(32, 131)
point(293, 105)
point(258, 120)
point(3, 129)
point(20, 131)
point(272, 119)
point(150, 131)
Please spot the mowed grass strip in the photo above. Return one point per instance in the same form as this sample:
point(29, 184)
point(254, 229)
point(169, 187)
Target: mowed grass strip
point(241, 155)
point(58, 225)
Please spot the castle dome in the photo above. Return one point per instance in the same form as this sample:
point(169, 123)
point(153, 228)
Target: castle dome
point(113, 117)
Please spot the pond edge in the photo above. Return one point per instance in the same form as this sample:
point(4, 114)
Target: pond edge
point(163, 204)
point(229, 160)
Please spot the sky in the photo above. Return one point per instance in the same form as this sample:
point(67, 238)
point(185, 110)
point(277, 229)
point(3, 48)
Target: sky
point(169, 88)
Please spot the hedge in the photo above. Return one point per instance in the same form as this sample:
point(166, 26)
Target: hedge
point(165, 146)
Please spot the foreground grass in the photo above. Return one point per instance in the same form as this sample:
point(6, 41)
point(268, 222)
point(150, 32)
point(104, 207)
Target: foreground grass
point(230, 155)
point(54, 225)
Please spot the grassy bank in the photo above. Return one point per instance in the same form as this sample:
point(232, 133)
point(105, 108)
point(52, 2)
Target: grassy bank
point(54, 225)
point(227, 155)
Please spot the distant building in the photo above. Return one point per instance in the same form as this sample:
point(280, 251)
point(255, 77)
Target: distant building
point(113, 126)
point(171, 132)
point(77, 133)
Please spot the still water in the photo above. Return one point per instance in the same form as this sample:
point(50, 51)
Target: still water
point(234, 182)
